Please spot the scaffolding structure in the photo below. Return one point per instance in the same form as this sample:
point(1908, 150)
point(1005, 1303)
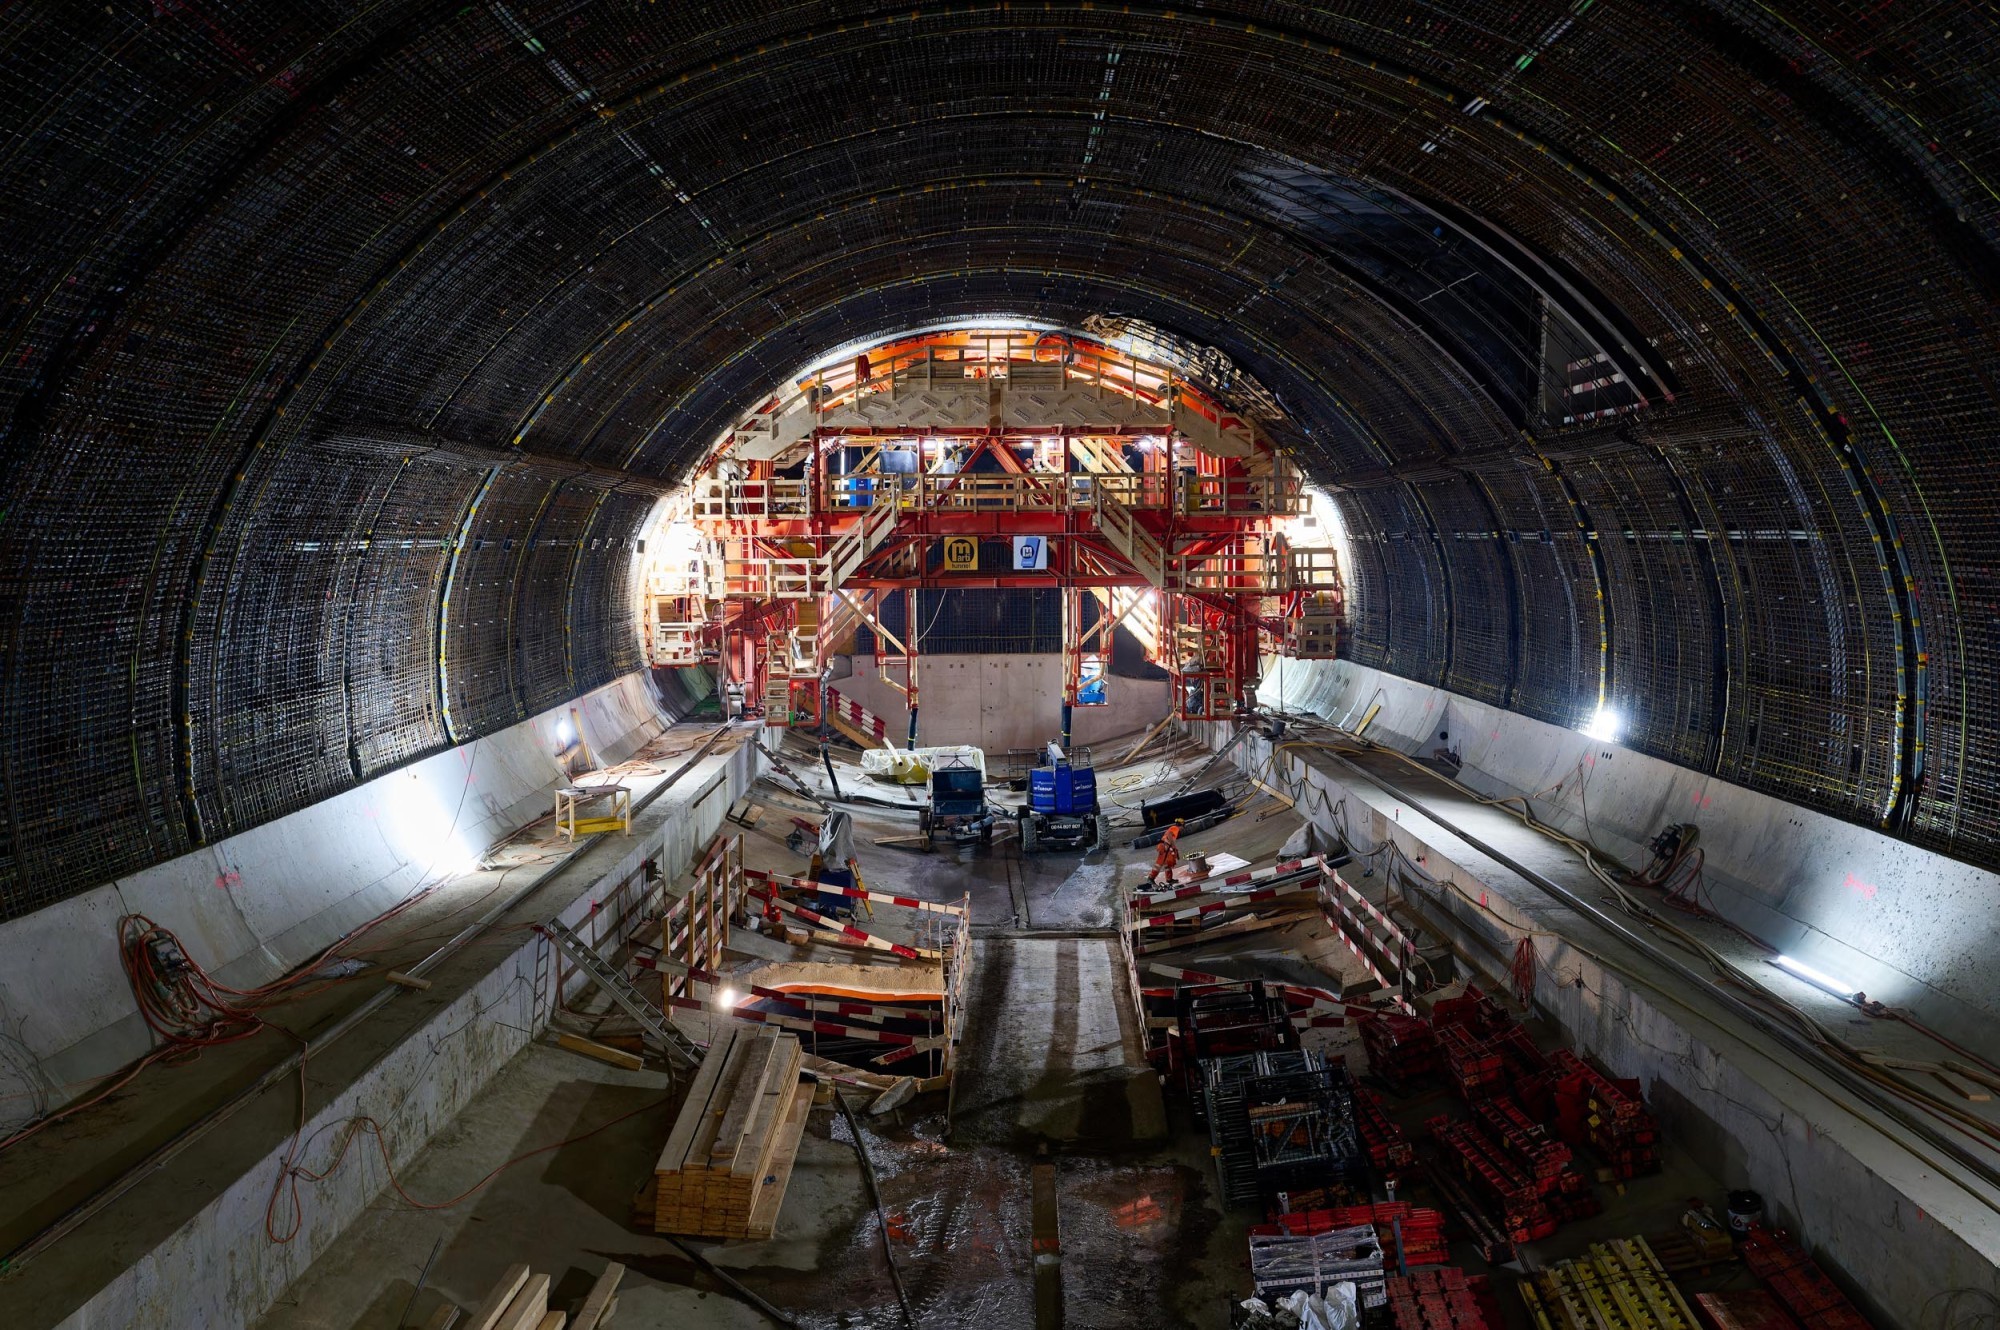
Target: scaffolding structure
point(996, 461)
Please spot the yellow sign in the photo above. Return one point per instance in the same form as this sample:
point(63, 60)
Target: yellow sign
point(961, 554)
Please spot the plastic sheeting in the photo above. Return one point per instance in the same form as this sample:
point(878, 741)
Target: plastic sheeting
point(913, 766)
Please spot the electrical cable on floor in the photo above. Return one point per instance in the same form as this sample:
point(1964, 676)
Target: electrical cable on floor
point(731, 1282)
point(875, 1195)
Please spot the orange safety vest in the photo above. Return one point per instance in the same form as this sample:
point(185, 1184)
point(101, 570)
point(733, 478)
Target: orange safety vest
point(1169, 853)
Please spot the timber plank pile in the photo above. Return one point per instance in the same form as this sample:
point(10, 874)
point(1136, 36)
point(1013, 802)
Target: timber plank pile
point(520, 1301)
point(725, 1167)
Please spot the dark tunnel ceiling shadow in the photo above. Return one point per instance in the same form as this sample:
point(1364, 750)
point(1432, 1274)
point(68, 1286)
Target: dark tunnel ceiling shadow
point(263, 262)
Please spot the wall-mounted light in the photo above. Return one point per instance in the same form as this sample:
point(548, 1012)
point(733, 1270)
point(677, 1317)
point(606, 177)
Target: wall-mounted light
point(1840, 988)
point(1604, 725)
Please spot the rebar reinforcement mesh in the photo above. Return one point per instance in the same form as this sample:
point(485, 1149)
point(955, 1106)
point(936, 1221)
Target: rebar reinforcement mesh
point(245, 238)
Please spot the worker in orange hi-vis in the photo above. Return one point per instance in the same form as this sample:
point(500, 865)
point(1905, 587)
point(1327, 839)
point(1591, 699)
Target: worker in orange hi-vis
point(1167, 856)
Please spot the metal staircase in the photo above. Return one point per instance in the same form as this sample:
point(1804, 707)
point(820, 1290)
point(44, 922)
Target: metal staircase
point(651, 1019)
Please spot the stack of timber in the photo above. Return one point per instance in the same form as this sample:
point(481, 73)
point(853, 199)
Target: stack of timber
point(520, 1301)
point(724, 1170)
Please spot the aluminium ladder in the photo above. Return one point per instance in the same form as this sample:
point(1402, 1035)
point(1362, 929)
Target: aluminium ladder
point(650, 1018)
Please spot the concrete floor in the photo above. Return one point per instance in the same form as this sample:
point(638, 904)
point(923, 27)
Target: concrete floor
point(1052, 1067)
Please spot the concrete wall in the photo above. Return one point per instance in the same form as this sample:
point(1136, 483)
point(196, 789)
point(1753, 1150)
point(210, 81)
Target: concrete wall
point(1907, 926)
point(254, 906)
point(999, 702)
point(220, 1270)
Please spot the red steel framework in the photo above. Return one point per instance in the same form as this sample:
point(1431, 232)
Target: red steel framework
point(1107, 477)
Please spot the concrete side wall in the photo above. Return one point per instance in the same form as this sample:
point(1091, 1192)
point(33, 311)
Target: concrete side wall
point(1873, 1210)
point(220, 1270)
point(254, 906)
point(1907, 926)
point(1000, 702)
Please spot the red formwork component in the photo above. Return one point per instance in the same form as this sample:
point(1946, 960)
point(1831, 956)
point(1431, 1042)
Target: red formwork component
point(1389, 1150)
point(1401, 1049)
point(1607, 1114)
point(1797, 1281)
point(1439, 1299)
point(1523, 1213)
point(1751, 1309)
point(1423, 1240)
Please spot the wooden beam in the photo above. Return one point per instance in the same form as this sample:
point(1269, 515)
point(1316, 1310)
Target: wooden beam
point(596, 1306)
point(617, 1057)
point(525, 1312)
point(488, 1313)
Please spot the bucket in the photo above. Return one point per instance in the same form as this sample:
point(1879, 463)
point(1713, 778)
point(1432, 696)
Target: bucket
point(1746, 1210)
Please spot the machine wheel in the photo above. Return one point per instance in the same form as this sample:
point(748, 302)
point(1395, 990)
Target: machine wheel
point(1028, 842)
point(1101, 827)
point(924, 825)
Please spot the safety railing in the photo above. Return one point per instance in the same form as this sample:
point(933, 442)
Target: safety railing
point(1314, 570)
point(756, 575)
point(1235, 572)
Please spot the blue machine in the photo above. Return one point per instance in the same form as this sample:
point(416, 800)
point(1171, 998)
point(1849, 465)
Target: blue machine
point(1062, 811)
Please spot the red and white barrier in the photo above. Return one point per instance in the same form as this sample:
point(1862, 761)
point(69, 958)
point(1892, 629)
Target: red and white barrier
point(786, 883)
point(1234, 901)
point(860, 717)
point(849, 931)
point(1149, 899)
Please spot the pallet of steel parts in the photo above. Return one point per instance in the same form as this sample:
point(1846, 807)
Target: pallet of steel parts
point(1389, 1148)
point(1562, 1186)
point(1282, 1263)
point(1412, 1234)
point(1401, 1049)
point(1606, 1114)
point(1447, 1299)
point(1479, 1225)
point(1797, 1280)
point(1750, 1309)
point(1282, 1123)
point(1475, 1067)
point(1219, 1020)
point(1616, 1285)
point(1523, 1214)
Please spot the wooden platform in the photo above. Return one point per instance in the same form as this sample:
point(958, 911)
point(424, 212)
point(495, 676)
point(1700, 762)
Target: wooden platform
point(725, 1167)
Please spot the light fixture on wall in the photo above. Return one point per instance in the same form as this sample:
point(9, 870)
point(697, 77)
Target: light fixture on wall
point(1604, 725)
point(1840, 988)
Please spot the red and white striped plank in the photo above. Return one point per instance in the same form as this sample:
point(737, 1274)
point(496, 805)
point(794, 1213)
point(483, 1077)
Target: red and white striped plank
point(857, 715)
point(787, 883)
point(896, 1055)
point(1222, 901)
point(1206, 885)
point(1369, 908)
point(1237, 901)
point(1347, 940)
point(848, 931)
point(834, 1029)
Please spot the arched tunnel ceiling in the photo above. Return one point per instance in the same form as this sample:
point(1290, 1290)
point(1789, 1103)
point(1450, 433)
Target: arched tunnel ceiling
point(263, 254)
